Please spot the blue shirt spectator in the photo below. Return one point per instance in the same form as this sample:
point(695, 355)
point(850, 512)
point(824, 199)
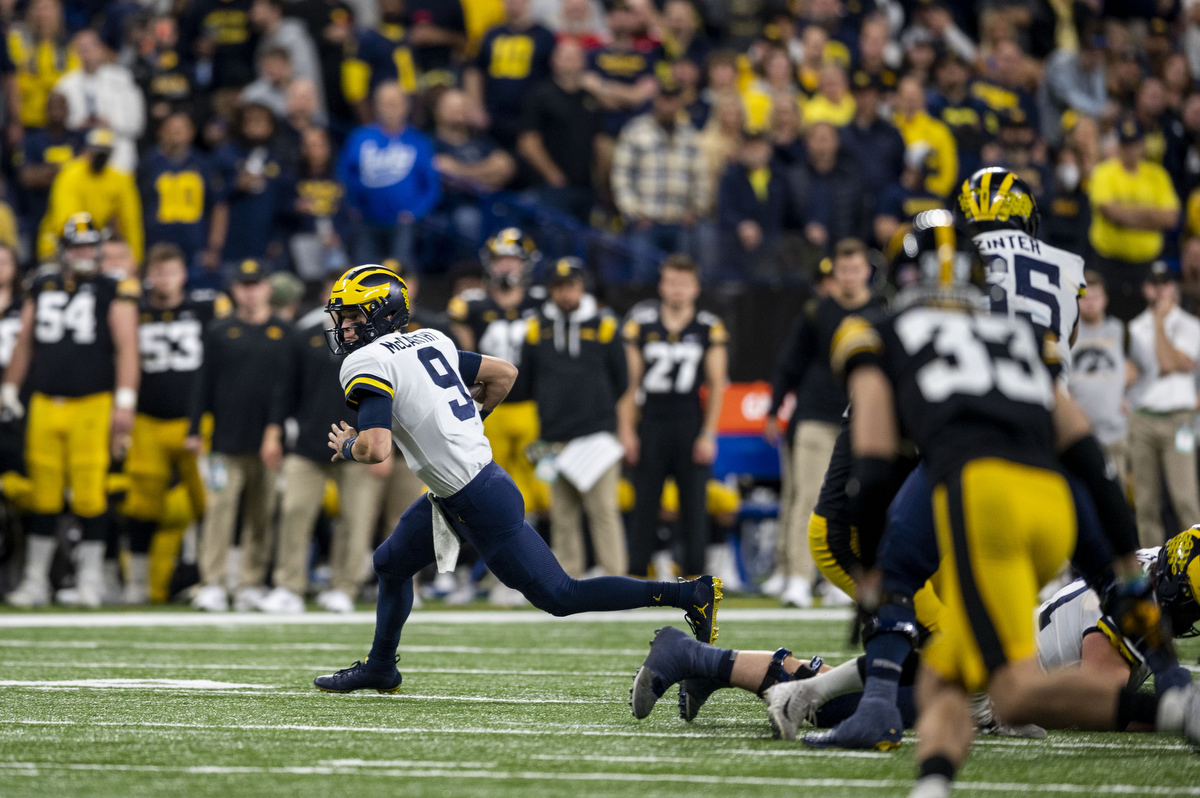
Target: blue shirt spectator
point(42, 152)
point(754, 204)
point(387, 168)
point(176, 188)
point(620, 75)
point(873, 143)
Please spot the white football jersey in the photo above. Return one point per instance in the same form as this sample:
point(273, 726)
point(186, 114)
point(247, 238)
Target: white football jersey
point(1031, 278)
point(1071, 613)
point(434, 419)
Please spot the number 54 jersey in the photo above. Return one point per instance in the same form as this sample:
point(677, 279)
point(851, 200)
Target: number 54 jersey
point(434, 420)
point(171, 344)
point(72, 343)
point(966, 385)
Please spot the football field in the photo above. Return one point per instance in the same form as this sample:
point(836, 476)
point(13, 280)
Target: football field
point(493, 704)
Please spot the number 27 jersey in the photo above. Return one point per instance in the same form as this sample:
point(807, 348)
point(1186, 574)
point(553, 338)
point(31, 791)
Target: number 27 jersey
point(966, 385)
point(434, 420)
point(673, 361)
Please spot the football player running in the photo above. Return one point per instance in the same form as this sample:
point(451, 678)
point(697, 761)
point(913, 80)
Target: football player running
point(411, 389)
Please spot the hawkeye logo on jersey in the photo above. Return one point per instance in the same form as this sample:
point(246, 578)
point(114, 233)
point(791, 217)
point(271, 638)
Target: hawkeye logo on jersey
point(408, 342)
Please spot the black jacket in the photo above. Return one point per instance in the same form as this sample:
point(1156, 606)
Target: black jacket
point(576, 372)
point(737, 202)
point(309, 388)
point(837, 199)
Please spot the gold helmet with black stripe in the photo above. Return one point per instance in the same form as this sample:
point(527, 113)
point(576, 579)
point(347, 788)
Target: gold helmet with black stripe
point(1177, 580)
point(997, 199)
point(79, 245)
point(373, 299)
point(511, 242)
point(937, 263)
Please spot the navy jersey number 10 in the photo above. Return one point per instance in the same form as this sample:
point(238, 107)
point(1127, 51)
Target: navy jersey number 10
point(447, 378)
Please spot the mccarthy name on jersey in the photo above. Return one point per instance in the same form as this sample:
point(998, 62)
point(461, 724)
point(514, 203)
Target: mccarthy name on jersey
point(435, 422)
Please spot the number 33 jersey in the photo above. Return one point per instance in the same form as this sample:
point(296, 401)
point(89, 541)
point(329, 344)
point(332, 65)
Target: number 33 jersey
point(1029, 278)
point(434, 420)
point(673, 362)
point(966, 385)
point(171, 344)
point(72, 343)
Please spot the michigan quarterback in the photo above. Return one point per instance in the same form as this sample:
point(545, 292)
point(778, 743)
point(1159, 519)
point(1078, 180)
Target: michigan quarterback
point(411, 389)
point(78, 348)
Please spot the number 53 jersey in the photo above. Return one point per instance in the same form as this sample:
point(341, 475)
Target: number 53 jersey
point(72, 343)
point(966, 386)
point(171, 343)
point(434, 420)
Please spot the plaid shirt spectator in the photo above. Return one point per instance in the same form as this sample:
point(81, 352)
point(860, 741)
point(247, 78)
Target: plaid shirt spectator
point(659, 175)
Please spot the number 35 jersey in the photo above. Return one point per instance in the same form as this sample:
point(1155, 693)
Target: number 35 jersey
point(1029, 278)
point(673, 362)
point(72, 343)
point(171, 343)
point(966, 385)
point(434, 420)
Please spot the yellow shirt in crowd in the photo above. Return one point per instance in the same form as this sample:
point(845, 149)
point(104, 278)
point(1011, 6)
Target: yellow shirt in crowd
point(821, 109)
point(1148, 187)
point(39, 65)
point(110, 196)
point(923, 128)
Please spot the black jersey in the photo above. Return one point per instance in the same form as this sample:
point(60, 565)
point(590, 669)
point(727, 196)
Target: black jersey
point(673, 362)
point(499, 332)
point(72, 343)
point(171, 343)
point(10, 328)
point(966, 385)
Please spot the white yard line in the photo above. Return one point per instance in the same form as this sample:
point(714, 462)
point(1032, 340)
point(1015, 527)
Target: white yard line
point(317, 669)
point(451, 772)
point(131, 684)
point(438, 617)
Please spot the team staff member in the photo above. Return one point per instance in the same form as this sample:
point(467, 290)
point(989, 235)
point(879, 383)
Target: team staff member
point(575, 365)
point(672, 349)
point(90, 184)
point(78, 343)
point(309, 390)
point(242, 354)
point(820, 404)
point(495, 325)
point(171, 343)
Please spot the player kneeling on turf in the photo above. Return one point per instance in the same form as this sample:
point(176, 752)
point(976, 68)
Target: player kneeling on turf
point(410, 389)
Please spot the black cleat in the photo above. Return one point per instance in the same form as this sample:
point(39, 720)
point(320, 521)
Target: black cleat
point(665, 665)
point(692, 695)
point(359, 677)
point(702, 614)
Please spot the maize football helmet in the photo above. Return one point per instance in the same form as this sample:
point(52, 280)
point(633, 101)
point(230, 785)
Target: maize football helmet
point(376, 294)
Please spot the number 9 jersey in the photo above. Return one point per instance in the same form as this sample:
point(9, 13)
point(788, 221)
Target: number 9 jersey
point(72, 344)
point(1030, 278)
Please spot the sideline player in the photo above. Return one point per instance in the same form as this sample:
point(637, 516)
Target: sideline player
point(411, 389)
point(78, 343)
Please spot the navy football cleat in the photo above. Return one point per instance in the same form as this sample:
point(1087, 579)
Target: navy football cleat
point(663, 667)
point(359, 677)
point(875, 725)
point(692, 695)
point(702, 614)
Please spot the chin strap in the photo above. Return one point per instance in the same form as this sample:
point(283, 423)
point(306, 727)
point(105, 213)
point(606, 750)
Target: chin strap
point(776, 673)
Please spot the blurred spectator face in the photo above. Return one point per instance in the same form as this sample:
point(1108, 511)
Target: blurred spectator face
point(1151, 100)
point(165, 32)
point(729, 113)
point(1176, 75)
point(622, 22)
point(866, 104)
point(264, 15)
point(276, 69)
point(176, 132)
point(785, 120)
point(451, 110)
point(116, 259)
point(910, 96)
point(777, 67)
point(679, 17)
point(1190, 262)
point(568, 60)
point(301, 100)
point(91, 51)
point(575, 13)
point(1131, 154)
point(45, 16)
point(921, 56)
point(166, 278)
point(391, 10)
point(850, 274)
point(813, 40)
point(56, 110)
point(515, 9)
point(952, 76)
point(678, 288)
point(567, 294)
point(1191, 113)
point(391, 106)
point(825, 11)
point(667, 108)
point(822, 144)
point(756, 152)
point(833, 82)
point(722, 75)
point(251, 297)
point(873, 40)
point(258, 124)
point(314, 146)
point(1090, 56)
point(1010, 64)
point(686, 74)
point(1093, 303)
point(8, 267)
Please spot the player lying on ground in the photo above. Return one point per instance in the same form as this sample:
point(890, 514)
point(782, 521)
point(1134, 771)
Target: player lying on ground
point(410, 389)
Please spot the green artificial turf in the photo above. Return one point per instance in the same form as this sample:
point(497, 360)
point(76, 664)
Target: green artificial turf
point(488, 708)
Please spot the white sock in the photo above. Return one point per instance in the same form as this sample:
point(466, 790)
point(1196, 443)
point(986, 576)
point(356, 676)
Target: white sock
point(1170, 711)
point(931, 786)
point(39, 553)
point(89, 558)
point(139, 572)
point(842, 680)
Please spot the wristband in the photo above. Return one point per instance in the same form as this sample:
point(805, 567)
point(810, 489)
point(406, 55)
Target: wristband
point(125, 399)
point(347, 448)
point(10, 393)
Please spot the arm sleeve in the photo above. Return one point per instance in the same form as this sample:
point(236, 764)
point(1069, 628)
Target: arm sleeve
point(468, 366)
point(374, 412)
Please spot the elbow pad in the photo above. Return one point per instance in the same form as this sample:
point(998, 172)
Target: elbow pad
point(1086, 460)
